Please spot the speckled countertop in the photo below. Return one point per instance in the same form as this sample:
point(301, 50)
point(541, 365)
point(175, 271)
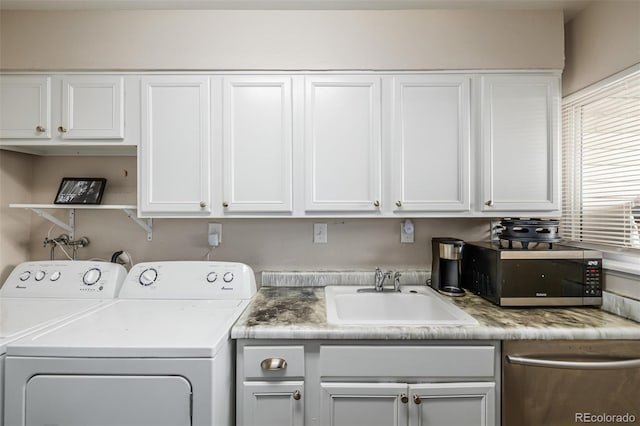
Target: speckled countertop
point(300, 313)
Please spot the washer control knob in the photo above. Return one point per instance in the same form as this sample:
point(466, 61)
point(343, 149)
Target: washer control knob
point(227, 277)
point(148, 276)
point(40, 275)
point(212, 277)
point(55, 276)
point(24, 276)
point(91, 276)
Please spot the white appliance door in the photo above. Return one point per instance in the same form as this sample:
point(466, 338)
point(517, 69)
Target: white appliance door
point(88, 400)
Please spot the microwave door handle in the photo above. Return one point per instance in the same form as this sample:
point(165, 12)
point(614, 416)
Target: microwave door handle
point(574, 365)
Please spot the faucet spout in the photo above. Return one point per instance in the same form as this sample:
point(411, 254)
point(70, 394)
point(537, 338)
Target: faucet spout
point(380, 278)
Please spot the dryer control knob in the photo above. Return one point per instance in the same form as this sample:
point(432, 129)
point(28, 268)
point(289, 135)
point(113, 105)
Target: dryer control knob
point(91, 276)
point(55, 276)
point(212, 277)
point(148, 276)
point(24, 276)
point(227, 277)
point(40, 275)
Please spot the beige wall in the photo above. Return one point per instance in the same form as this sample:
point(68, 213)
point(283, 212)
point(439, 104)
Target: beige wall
point(251, 40)
point(265, 244)
point(277, 40)
point(600, 41)
point(15, 187)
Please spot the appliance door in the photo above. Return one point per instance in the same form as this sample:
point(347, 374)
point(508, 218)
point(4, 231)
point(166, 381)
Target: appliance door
point(556, 383)
point(88, 400)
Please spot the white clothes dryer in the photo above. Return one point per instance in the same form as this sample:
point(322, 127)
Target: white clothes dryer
point(42, 294)
point(161, 355)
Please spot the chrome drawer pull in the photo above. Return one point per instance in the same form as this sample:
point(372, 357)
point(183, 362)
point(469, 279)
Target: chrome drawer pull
point(416, 399)
point(575, 365)
point(297, 395)
point(404, 398)
point(273, 364)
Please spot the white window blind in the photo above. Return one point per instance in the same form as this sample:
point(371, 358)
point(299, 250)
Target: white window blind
point(601, 164)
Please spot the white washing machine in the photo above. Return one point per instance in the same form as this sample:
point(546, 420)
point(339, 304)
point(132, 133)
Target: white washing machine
point(161, 355)
point(42, 294)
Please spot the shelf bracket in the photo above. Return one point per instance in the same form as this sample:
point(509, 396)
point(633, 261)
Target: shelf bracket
point(146, 225)
point(70, 228)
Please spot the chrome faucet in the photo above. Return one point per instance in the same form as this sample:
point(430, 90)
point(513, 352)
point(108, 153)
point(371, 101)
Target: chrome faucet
point(396, 281)
point(380, 277)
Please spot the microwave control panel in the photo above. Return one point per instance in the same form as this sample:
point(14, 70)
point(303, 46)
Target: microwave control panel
point(593, 277)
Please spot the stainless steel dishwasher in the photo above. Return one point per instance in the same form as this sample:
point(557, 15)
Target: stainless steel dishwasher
point(558, 383)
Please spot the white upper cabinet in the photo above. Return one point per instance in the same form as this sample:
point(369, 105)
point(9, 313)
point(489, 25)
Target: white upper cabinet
point(431, 143)
point(25, 107)
point(520, 143)
point(257, 144)
point(174, 155)
point(92, 107)
point(342, 143)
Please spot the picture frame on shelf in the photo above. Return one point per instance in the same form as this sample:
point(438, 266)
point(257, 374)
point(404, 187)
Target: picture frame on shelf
point(80, 190)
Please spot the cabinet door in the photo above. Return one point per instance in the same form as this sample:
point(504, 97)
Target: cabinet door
point(520, 143)
point(257, 144)
point(174, 154)
point(25, 107)
point(272, 404)
point(92, 107)
point(363, 404)
point(342, 143)
point(431, 142)
point(452, 404)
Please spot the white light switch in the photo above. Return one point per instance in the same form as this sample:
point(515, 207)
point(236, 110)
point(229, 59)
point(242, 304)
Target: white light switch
point(319, 232)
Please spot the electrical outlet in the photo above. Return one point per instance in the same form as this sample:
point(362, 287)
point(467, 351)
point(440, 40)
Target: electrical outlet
point(320, 233)
point(406, 231)
point(215, 234)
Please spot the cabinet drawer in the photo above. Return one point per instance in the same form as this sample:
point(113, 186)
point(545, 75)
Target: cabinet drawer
point(403, 361)
point(273, 361)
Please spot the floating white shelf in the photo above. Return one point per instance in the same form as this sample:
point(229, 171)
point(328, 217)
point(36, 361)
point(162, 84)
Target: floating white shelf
point(129, 210)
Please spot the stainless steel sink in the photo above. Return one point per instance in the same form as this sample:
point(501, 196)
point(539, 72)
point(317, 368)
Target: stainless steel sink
point(413, 306)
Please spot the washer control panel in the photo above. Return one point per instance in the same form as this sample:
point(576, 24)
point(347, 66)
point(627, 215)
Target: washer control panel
point(77, 279)
point(189, 280)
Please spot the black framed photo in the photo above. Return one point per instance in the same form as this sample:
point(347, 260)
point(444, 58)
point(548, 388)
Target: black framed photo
point(78, 190)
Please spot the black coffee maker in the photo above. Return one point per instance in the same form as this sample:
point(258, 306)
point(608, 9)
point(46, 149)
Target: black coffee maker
point(446, 267)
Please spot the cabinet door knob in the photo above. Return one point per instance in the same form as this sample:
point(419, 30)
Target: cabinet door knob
point(62, 129)
point(399, 203)
point(376, 203)
point(297, 395)
point(416, 399)
point(225, 204)
point(404, 398)
point(203, 204)
point(489, 203)
point(273, 364)
point(40, 129)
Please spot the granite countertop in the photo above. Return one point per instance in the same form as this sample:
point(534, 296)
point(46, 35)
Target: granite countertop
point(300, 313)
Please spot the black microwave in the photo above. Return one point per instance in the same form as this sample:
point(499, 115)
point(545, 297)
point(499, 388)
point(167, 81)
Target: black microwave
point(542, 275)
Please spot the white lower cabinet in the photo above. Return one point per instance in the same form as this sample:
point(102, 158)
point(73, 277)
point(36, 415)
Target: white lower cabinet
point(368, 383)
point(452, 404)
point(395, 404)
point(272, 404)
point(370, 404)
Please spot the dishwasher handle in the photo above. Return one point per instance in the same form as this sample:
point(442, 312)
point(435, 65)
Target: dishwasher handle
point(615, 364)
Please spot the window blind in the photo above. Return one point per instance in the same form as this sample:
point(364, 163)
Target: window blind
point(601, 164)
